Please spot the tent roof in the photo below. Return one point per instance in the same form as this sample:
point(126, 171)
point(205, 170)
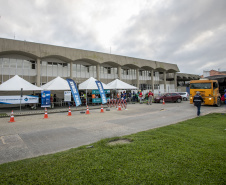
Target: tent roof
point(118, 84)
point(91, 84)
point(57, 83)
point(16, 83)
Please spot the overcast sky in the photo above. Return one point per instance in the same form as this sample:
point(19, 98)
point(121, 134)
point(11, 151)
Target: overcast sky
point(189, 33)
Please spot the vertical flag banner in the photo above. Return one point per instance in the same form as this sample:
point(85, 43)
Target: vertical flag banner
point(45, 98)
point(102, 93)
point(74, 91)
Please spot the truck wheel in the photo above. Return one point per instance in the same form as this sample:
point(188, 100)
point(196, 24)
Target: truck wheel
point(218, 102)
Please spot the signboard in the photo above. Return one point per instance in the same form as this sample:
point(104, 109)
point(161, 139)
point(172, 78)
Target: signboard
point(107, 91)
point(97, 100)
point(101, 90)
point(45, 98)
point(18, 99)
point(67, 95)
point(74, 91)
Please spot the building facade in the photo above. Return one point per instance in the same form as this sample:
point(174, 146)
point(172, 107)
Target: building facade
point(40, 63)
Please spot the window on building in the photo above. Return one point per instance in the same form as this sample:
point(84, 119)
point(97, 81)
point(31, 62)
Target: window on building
point(109, 70)
point(155, 86)
point(27, 64)
point(6, 62)
point(32, 64)
point(13, 63)
point(20, 64)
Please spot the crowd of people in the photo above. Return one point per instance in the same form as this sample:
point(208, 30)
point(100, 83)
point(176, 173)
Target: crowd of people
point(136, 96)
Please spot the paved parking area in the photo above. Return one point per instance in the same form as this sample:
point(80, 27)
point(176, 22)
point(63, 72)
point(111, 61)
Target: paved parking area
point(32, 136)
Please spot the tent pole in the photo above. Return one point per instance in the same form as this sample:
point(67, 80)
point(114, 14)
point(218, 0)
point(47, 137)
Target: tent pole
point(86, 97)
point(21, 95)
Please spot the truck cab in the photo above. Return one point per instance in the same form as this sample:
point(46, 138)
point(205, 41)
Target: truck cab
point(209, 90)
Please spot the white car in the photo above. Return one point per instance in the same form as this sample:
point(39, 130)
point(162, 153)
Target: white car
point(184, 95)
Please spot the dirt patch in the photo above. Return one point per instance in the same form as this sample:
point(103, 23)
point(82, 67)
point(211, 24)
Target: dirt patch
point(119, 142)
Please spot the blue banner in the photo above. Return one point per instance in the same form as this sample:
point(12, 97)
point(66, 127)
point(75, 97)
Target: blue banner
point(45, 98)
point(74, 92)
point(102, 93)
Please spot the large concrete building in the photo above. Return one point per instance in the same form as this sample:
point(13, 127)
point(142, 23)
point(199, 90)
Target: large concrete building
point(40, 63)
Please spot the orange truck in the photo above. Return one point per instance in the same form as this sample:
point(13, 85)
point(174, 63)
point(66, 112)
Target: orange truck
point(209, 90)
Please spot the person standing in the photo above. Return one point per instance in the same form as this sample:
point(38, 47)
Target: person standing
point(129, 97)
point(82, 97)
point(150, 96)
point(198, 100)
point(225, 96)
point(134, 96)
point(137, 96)
point(140, 96)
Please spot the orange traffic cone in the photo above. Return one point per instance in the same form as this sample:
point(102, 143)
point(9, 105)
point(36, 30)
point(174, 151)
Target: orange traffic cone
point(69, 111)
point(11, 118)
point(46, 115)
point(87, 110)
point(119, 107)
point(101, 110)
point(163, 102)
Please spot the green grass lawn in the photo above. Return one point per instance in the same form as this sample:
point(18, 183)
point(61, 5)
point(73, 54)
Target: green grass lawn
point(190, 152)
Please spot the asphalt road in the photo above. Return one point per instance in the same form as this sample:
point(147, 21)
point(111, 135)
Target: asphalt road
point(32, 136)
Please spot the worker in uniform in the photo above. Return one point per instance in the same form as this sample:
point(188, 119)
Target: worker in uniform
point(198, 100)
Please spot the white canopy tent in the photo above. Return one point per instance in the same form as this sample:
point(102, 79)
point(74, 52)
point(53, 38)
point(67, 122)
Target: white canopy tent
point(16, 83)
point(56, 84)
point(90, 84)
point(118, 84)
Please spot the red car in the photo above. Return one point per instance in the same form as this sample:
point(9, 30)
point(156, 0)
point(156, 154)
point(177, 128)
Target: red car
point(169, 97)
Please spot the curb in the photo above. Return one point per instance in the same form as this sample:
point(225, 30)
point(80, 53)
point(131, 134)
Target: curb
point(36, 112)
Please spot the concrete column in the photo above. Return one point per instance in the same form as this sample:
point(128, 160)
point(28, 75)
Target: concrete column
point(152, 80)
point(98, 71)
point(119, 72)
point(38, 77)
point(71, 70)
point(175, 81)
point(164, 79)
point(138, 82)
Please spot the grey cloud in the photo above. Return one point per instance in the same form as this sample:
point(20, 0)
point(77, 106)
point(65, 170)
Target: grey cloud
point(160, 34)
point(167, 31)
point(52, 22)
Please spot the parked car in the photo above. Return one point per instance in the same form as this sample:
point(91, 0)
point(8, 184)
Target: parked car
point(184, 95)
point(169, 97)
